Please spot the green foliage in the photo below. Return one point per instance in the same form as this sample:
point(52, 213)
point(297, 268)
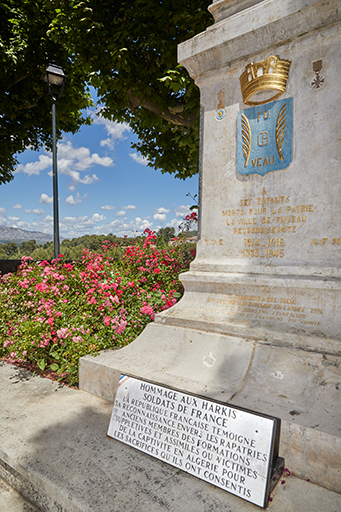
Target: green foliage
point(127, 50)
point(8, 250)
point(70, 249)
point(26, 48)
point(130, 50)
point(164, 235)
point(27, 247)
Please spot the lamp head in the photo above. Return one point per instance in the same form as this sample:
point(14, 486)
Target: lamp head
point(54, 76)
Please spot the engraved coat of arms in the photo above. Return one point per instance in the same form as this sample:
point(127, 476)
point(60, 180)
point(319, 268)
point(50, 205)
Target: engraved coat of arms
point(264, 138)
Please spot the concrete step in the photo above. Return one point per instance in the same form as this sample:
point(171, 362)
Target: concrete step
point(12, 501)
point(54, 452)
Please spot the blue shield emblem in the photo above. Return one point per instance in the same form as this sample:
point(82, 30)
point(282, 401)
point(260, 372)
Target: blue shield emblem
point(264, 138)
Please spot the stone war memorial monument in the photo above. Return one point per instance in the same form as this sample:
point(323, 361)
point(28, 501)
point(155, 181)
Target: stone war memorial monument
point(259, 326)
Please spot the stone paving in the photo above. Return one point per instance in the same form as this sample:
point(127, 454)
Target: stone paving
point(54, 451)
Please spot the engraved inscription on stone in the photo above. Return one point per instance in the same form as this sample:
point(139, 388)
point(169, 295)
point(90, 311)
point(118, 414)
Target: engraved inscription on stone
point(271, 308)
point(265, 223)
point(228, 447)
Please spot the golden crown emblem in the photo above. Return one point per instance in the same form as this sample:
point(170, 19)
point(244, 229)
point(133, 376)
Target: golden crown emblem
point(265, 80)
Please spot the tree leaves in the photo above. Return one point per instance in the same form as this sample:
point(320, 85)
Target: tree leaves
point(126, 49)
point(25, 51)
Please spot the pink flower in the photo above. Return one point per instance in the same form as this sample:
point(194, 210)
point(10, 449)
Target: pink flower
point(63, 332)
point(77, 339)
point(121, 327)
point(41, 287)
point(107, 320)
point(148, 310)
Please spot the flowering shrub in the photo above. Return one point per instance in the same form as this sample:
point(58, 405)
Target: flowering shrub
point(52, 314)
point(188, 222)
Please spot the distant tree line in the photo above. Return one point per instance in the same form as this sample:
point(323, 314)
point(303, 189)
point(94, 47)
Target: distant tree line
point(73, 249)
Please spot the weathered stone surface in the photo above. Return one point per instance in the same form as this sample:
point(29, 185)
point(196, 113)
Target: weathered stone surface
point(54, 451)
point(259, 325)
point(12, 501)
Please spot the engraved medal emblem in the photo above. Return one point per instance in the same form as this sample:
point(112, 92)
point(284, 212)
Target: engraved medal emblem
point(264, 138)
point(220, 113)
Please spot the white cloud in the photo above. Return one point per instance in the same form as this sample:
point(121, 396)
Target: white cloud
point(97, 217)
point(23, 225)
point(75, 226)
point(139, 158)
point(2, 210)
point(161, 214)
point(174, 223)
point(75, 200)
point(44, 162)
point(79, 158)
point(71, 162)
point(161, 217)
point(88, 180)
point(45, 199)
point(129, 207)
point(107, 207)
point(121, 213)
point(78, 226)
point(115, 131)
point(122, 227)
point(36, 211)
point(18, 206)
point(182, 211)
point(162, 210)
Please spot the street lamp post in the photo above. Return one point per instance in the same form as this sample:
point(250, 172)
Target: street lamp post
point(55, 78)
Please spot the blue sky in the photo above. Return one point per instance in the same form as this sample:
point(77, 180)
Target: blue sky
point(104, 187)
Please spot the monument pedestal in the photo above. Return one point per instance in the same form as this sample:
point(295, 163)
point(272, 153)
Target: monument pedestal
point(259, 325)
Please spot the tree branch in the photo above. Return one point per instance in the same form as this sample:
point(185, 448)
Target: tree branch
point(18, 80)
point(33, 104)
point(172, 117)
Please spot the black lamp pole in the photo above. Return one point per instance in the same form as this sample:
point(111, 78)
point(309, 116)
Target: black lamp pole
point(54, 76)
point(55, 183)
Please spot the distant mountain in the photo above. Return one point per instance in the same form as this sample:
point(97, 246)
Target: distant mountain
point(21, 235)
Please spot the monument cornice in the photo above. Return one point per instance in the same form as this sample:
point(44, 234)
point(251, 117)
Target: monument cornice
point(263, 26)
point(221, 9)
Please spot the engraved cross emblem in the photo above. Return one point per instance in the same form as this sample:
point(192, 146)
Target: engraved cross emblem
point(263, 138)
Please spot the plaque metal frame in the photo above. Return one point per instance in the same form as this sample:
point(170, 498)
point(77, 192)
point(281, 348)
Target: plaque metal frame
point(129, 397)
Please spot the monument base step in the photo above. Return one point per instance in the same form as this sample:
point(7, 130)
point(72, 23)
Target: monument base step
point(300, 387)
point(12, 501)
point(54, 452)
